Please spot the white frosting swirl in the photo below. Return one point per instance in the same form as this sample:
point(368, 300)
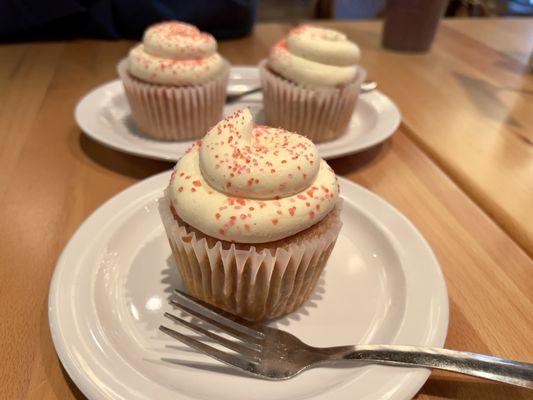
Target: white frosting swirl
point(252, 184)
point(175, 53)
point(315, 57)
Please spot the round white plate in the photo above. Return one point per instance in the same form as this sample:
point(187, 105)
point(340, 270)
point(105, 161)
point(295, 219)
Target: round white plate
point(110, 289)
point(104, 115)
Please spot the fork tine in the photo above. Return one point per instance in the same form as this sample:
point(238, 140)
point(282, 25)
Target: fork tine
point(235, 346)
point(251, 328)
point(245, 337)
point(230, 359)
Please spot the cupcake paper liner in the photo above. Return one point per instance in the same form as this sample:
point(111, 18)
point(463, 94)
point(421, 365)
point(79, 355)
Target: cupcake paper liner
point(320, 114)
point(174, 113)
point(256, 285)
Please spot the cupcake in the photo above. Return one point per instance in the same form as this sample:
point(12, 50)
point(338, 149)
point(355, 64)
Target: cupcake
point(311, 81)
point(175, 82)
point(251, 214)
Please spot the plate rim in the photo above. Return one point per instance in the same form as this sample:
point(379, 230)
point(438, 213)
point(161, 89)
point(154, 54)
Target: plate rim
point(90, 389)
point(392, 110)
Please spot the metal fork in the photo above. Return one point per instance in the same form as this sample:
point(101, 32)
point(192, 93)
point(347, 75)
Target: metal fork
point(274, 354)
point(366, 86)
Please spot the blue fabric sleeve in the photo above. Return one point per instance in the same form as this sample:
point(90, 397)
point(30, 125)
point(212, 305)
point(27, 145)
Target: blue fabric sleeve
point(114, 19)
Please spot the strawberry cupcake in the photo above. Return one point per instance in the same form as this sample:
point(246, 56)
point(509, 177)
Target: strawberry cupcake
point(252, 214)
point(175, 81)
point(311, 81)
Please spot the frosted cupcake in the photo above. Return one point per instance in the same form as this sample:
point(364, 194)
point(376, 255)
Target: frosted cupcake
point(175, 81)
point(252, 215)
point(311, 81)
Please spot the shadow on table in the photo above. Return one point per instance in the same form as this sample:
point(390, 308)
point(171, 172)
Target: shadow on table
point(485, 97)
point(352, 163)
point(514, 62)
point(458, 388)
point(121, 163)
point(76, 393)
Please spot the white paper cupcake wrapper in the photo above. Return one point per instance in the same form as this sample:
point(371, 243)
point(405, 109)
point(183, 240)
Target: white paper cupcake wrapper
point(174, 113)
point(254, 285)
point(320, 114)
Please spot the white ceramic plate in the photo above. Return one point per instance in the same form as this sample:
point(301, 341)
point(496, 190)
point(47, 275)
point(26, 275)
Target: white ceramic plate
point(110, 288)
point(104, 115)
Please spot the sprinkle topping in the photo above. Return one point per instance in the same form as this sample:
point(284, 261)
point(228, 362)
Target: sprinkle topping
point(243, 200)
point(315, 57)
point(258, 162)
point(175, 53)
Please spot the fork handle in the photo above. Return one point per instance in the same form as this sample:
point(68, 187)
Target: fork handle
point(483, 366)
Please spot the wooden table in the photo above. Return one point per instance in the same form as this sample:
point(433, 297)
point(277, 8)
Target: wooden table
point(52, 177)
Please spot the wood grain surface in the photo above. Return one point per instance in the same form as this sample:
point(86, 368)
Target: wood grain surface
point(52, 177)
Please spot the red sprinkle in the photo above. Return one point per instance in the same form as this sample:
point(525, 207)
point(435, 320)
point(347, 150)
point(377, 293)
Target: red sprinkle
point(275, 221)
point(197, 183)
point(292, 210)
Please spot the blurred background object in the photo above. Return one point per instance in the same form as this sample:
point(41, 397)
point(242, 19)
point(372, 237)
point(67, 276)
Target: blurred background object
point(296, 10)
point(490, 8)
point(286, 10)
point(114, 19)
point(410, 25)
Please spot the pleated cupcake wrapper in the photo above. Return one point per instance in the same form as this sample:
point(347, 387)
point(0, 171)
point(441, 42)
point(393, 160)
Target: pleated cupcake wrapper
point(320, 114)
point(175, 113)
point(254, 285)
